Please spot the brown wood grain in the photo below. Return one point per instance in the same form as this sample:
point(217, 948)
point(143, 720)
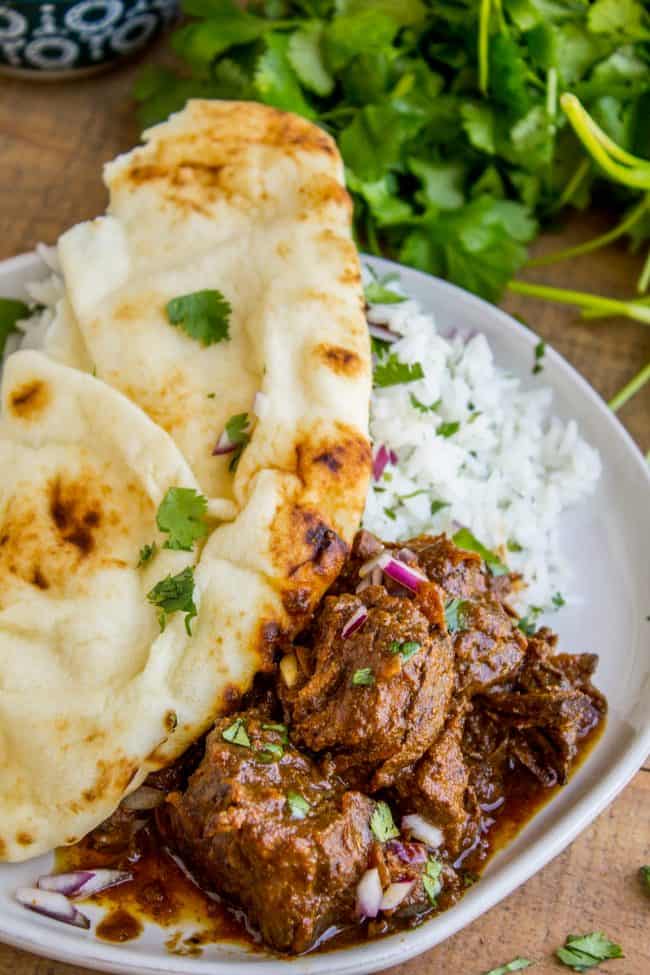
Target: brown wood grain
point(53, 141)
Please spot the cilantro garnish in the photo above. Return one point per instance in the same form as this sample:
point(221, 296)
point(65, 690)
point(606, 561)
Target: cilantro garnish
point(389, 371)
point(422, 407)
point(448, 429)
point(464, 539)
point(405, 650)
point(281, 729)
point(558, 600)
point(516, 965)
point(528, 623)
point(431, 880)
point(147, 553)
point(448, 115)
point(455, 615)
point(513, 546)
point(540, 349)
point(298, 805)
point(363, 677)
point(582, 952)
point(11, 311)
point(390, 514)
point(175, 594)
point(377, 293)
point(271, 752)
point(437, 506)
point(238, 433)
point(182, 515)
point(382, 823)
point(236, 733)
point(203, 315)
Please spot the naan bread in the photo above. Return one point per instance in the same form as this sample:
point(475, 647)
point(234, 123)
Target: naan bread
point(247, 200)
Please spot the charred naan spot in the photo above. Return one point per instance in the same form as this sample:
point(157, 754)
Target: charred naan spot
point(340, 360)
point(70, 840)
point(39, 580)
point(330, 460)
point(170, 721)
point(111, 778)
point(3, 849)
point(24, 839)
point(30, 399)
point(324, 192)
point(74, 520)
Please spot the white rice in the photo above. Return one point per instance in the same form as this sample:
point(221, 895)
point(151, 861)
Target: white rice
point(507, 474)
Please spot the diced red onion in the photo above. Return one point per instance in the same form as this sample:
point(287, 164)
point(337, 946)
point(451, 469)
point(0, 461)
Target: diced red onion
point(403, 574)
point(420, 829)
point(395, 894)
point(83, 883)
point(382, 458)
point(376, 562)
point(369, 894)
point(407, 852)
point(53, 905)
point(144, 798)
point(224, 445)
point(382, 333)
point(357, 619)
point(406, 555)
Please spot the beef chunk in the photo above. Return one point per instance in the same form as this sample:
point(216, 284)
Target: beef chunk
point(117, 833)
point(489, 647)
point(548, 708)
point(460, 573)
point(378, 698)
point(243, 829)
point(438, 786)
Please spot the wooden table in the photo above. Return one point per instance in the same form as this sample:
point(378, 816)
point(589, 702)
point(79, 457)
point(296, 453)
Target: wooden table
point(53, 140)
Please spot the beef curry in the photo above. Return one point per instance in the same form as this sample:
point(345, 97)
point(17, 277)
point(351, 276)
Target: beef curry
point(360, 787)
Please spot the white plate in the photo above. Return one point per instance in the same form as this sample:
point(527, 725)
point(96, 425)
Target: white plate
point(608, 540)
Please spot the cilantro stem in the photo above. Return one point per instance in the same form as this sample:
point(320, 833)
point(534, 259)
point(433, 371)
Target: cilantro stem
point(630, 389)
point(644, 277)
point(551, 92)
point(597, 242)
point(635, 172)
point(573, 184)
point(484, 45)
point(638, 310)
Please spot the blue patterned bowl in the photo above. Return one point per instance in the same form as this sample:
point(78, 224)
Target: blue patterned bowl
point(63, 37)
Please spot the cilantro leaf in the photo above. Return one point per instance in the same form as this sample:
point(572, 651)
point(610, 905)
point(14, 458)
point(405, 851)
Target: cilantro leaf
point(382, 823)
point(516, 965)
point(11, 311)
point(558, 600)
point(455, 614)
point(528, 624)
point(363, 677)
point(147, 553)
point(236, 734)
point(237, 431)
point(442, 184)
point(203, 315)
point(175, 594)
point(448, 429)
point(276, 80)
point(540, 350)
point(431, 880)
point(182, 515)
point(625, 18)
point(405, 650)
point(306, 56)
point(391, 372)
point(582, 952)
point(377, 293)
point(464, 539)
point(422, 407)
point(437, 506)
point(298, 805)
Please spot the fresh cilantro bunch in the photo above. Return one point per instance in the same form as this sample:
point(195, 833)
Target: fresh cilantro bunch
point(446, 113)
